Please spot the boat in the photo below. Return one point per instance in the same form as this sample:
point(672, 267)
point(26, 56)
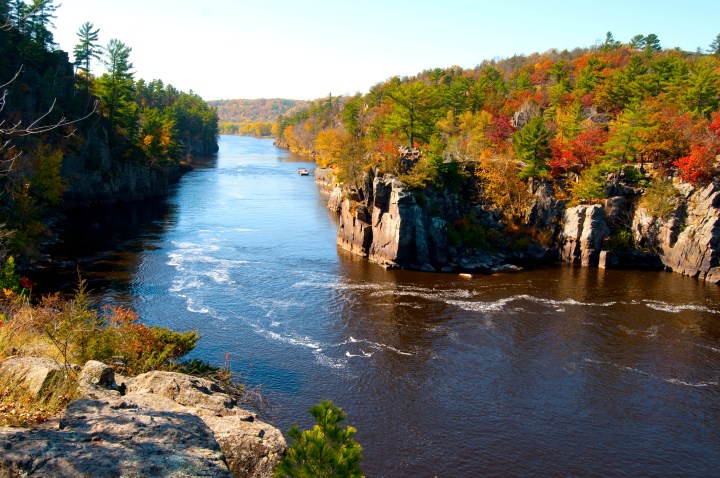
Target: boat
point(303, 172)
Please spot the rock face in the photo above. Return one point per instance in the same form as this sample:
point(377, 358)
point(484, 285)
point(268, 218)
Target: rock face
point(582, 237)
point(689, 241)
point(168, 424)
point(391, 228)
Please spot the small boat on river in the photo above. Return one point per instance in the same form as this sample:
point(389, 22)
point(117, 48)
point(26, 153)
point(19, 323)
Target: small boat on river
point(303, 172)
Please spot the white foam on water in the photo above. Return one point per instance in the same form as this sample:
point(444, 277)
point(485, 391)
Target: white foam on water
point(182, 284)
point(192, 306)
point(219, 276)
point(343, 286)
point(677, 308)
point(714, 349)
point(326, 361)
point(362, 354)
point(672, 380)
point(650, 332)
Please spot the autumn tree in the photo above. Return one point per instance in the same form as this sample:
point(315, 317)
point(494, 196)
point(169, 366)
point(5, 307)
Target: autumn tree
point(700, 166)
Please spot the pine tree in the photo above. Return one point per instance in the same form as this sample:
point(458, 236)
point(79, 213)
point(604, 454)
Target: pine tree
point(115, 88)
point(326, 451)
point(532, 146)
point(87, 48)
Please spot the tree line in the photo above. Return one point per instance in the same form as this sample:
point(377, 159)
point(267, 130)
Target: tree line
point(576, 118)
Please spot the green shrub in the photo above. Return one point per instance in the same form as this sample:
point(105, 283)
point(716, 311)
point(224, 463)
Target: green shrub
point(619, 241)
point(661, 198)
point(591, 185)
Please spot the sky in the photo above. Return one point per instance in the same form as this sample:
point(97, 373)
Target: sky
point(307, 49)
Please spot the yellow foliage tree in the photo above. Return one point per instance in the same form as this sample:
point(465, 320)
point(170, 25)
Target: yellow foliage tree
point(502, 186)
point(329, 146)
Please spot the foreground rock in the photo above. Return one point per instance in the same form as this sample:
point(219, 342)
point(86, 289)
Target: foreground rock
point(167, 424)
point(32, 374)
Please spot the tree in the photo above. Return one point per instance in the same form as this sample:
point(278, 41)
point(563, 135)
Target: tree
point(610, 42)
point(627, 133)
point(40, 17)
point(87, 48)
point(326, 451)
point(652, 43)
point(715, 46)
point(411, 112)
point(637, 42)
point(115, 88)
point(532, 146)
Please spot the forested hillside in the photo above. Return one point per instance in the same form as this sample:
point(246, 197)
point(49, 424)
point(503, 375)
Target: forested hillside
point(253, 117)
point(65, 130)
point(576, 119)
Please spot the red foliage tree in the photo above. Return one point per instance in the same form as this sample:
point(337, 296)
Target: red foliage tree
point(578, 153)
point(699, 167)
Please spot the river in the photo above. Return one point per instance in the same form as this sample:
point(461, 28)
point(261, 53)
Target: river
point(557, 371)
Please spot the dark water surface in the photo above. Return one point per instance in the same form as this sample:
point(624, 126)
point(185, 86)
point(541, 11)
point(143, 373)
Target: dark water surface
point(552, 372)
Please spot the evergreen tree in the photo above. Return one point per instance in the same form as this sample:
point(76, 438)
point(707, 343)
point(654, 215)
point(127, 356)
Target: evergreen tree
point(326, 451)
point(87, 48)
point(115, 88)
point(532, 146)
point(627, 134)
point(40, 17)
point(715, 46)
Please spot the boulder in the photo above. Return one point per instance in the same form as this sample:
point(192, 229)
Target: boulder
point(251, 447)
point(185, 390)
point(32, 374)
point(97, 373)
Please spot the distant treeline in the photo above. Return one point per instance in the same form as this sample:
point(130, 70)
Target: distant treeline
point(253, 117)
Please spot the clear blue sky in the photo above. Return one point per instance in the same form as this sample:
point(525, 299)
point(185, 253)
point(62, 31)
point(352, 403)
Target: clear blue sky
point(307, 49)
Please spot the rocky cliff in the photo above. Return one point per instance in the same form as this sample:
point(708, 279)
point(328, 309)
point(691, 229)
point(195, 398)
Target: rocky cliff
point(395, 227)
point(94, 176)
point(165, 424)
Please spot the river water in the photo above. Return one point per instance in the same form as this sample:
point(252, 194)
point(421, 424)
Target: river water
point(558, 371)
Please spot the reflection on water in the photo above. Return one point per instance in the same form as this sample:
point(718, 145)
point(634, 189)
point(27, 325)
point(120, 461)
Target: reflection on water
point(556, 371)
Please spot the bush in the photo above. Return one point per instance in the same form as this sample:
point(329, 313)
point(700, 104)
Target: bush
point(619, 241)
point(661, 198)
point(327, 450)
point(591, 185)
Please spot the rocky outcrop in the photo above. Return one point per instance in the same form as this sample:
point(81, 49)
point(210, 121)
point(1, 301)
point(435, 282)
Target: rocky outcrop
point(166, 424)
point(689, 241)
point(583, 234)
point(111, 438)
point(391, 228)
